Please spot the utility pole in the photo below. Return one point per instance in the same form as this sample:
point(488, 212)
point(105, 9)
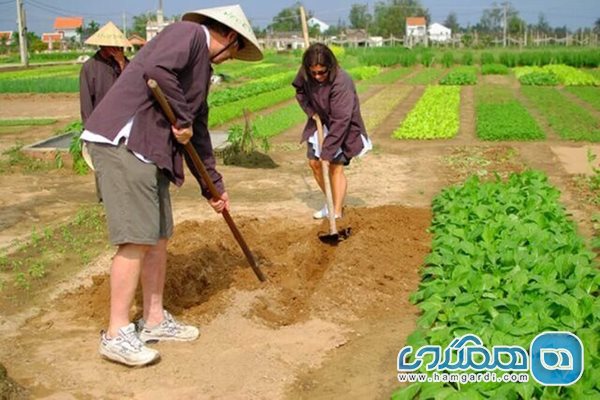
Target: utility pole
point(22, 33)
point(304, 27)
point(159, 14)
point(505, 26)
point(124, 24)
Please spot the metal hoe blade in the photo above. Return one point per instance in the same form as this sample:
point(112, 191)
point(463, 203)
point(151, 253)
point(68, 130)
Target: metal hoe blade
point(336, 237)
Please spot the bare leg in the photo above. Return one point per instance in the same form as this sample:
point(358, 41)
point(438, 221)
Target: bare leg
point(315, 166)
point(339, 186)
point(153, 282)
point(124, 278)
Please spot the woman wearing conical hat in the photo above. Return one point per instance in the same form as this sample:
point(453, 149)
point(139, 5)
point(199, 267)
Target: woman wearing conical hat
point(101, 71)
point(137, 153)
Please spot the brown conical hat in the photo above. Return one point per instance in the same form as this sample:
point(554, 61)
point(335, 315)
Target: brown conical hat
point(108, 35)
point(233, 17)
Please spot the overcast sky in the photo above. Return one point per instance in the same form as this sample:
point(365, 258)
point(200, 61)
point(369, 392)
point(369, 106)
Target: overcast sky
point(41, 13)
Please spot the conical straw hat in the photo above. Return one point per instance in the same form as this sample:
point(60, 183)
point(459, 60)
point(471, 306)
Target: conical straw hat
point(108, 35)
point(233, 17)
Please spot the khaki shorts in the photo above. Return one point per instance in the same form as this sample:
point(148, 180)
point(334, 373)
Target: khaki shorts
point(135, 195)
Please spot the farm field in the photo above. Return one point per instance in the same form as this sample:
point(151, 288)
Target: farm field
point(329, 321)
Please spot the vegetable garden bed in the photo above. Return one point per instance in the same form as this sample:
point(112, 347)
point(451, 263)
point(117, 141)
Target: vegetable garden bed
point(506, 264)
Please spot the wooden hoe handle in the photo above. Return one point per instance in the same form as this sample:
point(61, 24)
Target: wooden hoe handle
point(191, 151)
point(326, 182)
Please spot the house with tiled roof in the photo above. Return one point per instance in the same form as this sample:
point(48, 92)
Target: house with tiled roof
point(6, 37)
point(53, 40)
point(69, 26)
point(137, 42)
point(416, 31)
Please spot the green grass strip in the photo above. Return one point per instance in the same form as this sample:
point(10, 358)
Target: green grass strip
point(279, 121)
point(588, 94)
point(41, 72)
point(27, 122)
point(226, 112)
point(41, 85)
point(568, 119)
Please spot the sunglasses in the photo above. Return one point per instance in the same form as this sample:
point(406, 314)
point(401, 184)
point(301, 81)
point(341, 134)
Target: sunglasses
point(319, 72)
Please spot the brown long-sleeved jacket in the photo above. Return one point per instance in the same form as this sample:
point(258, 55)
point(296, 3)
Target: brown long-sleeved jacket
point(95, 79)
point(338, 107)
point(178, 59)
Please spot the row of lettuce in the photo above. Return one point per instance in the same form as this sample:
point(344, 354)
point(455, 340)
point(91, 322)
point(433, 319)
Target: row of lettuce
point(502, 113)
point(506, 264)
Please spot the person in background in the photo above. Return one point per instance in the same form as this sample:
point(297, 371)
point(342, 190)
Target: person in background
point(323, 88)
point(137, 153)
point(99, 73)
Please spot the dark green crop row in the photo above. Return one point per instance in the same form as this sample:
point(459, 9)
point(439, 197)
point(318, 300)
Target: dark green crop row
point(500, 116)
point(568, 119)
point(589, 94)
point(506, 264)
point(465, 75)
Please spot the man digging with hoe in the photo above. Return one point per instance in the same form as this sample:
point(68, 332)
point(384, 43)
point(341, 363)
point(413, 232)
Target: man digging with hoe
point(137, 153)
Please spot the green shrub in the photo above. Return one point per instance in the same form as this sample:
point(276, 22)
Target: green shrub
point(467, 58)
point(427, 58)
point(494, 69)
point(460, 76)
point(487, 58)
point(539, 79)
point(447, 59)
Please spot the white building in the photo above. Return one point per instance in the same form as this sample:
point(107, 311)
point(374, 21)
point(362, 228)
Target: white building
point(318, 23)
point(375, 41)
point(153, 28)
point(439, 33)
point(416, 27)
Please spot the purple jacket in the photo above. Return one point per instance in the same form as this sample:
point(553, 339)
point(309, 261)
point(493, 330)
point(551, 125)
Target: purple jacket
point(338, 106)
point(179, 61)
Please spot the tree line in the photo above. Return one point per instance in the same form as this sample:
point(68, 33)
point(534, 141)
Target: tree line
point(388, 19)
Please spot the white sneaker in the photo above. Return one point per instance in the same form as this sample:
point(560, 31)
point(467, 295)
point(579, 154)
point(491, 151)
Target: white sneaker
point(168, 329)
point(127, 348)
point(322, 213)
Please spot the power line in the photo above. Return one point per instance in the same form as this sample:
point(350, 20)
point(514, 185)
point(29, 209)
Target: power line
point(62, 12)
